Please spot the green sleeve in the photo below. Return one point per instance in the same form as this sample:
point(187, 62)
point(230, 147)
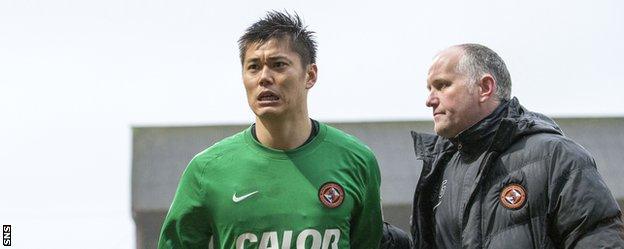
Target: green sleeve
point(187, 223)
point(366, 226)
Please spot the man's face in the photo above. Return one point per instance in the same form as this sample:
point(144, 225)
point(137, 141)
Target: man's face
point(452, 98)
point(275, 81)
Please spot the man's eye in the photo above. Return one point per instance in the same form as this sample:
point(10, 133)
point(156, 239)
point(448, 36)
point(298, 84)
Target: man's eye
point(279, 64)
point(252, 67)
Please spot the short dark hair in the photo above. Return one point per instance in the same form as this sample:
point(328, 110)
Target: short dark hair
point(281, 25)
point(478, 60)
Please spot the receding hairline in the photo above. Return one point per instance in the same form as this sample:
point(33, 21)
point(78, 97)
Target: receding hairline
point(477, 59)
point(447, 53)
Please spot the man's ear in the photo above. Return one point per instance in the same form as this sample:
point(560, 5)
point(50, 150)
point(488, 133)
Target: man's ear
point(311, 75)
point(487, 88)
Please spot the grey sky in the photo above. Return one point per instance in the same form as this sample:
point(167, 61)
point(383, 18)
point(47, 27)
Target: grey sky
point(76, 75)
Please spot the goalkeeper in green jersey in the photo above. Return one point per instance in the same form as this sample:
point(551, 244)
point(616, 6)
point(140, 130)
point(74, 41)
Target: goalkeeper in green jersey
point(287, 181)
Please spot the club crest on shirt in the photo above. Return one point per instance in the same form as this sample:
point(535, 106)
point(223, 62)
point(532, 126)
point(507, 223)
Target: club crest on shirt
point(331, 194)
point(513, 196)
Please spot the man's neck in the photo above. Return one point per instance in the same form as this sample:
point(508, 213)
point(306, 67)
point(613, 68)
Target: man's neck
point(491, 107)
point(283, 134)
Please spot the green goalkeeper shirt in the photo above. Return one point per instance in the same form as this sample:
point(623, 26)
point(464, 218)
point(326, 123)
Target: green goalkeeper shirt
point(324, 194)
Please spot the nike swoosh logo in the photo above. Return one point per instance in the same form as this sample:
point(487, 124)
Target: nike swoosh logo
point(239, 199)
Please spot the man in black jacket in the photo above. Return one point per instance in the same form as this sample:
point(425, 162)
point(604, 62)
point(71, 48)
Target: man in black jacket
point(499, 176)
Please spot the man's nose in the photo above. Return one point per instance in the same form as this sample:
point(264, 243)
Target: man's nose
point(432, 100)
point(266, 76)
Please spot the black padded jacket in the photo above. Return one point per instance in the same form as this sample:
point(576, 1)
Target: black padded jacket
point(566, 203)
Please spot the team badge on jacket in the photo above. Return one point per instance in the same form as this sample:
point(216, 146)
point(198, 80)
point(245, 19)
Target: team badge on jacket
point(331, 194)
point(513, 196)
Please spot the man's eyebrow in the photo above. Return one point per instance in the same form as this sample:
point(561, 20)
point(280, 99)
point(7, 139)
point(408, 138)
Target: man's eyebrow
point(279, 57)
point(253, 59)
point(270, 58)
point(437, 82)
point(440, 81)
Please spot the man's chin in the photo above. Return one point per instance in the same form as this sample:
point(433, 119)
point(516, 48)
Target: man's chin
point(267, 113)
point(442, 131)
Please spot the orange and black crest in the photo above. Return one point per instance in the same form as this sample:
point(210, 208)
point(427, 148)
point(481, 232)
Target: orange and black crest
point(331, 194)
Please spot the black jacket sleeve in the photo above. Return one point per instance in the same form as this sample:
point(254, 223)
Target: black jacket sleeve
point(394, 238)
point(584, 213)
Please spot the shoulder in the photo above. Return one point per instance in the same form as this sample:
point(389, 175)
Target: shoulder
point(558, 146)
point(352, 150)
point(562, 153)
point(347, 142)
point(571, 155)
point(217, 150)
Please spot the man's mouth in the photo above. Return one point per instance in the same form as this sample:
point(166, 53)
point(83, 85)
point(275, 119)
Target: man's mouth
point(267, 96)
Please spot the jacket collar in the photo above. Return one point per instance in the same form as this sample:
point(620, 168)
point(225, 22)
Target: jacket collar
point(514, 122)
point(478, 137)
